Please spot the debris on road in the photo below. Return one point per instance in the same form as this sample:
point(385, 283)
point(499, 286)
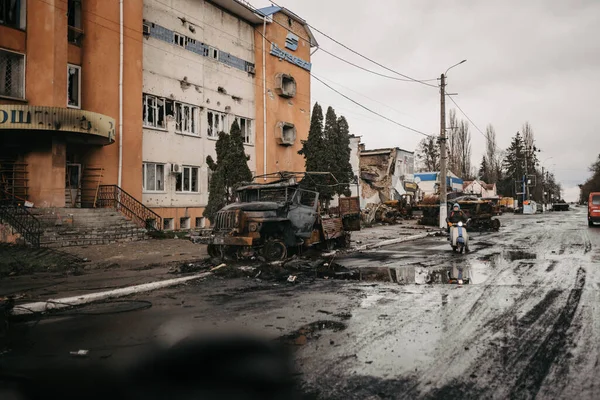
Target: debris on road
point(80, 353)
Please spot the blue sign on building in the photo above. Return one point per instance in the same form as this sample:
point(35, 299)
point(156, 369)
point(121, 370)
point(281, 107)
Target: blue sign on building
point(277, 52)
point(291, 41)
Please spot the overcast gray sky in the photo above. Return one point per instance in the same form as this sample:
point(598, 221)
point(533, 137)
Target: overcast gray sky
point(534, 60)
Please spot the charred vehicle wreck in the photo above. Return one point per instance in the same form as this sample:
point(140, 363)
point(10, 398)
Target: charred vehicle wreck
point(271, 218)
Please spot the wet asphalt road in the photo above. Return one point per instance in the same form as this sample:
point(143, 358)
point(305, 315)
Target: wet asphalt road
point(526, 325)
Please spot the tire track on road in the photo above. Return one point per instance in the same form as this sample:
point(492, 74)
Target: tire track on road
point(532, 376)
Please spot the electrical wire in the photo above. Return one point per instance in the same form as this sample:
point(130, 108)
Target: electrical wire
point(255, 84)
point(195, 20)
point(467, 117)
point(359, 104)
point(371, 111)
point(356, 52)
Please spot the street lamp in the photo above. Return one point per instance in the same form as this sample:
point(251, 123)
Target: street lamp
point(544, 193)
point(443, 154)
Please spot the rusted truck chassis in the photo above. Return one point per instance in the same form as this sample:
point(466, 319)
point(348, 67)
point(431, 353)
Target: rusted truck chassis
point(481, 212)
point(270, 219)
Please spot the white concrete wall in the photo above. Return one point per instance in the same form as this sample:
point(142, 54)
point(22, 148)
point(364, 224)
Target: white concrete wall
point(165, 65)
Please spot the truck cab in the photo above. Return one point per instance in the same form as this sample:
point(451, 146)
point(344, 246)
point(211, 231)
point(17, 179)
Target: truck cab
point(594, 208)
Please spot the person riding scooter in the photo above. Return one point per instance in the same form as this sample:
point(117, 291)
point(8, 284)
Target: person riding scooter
point(458, 238)
point(457, 215)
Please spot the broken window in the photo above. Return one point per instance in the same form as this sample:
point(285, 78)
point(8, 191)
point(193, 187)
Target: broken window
point(287, 133)
point(73, 86)
point(184, 223)
point(215, 122)
point(178, 39)
point(186, 118)
point(12, 13)
point(153, 177)
point(213, 53)
point(153, 111)
point(187, 181)
point(285, 85)
point(168, 224)
point(189, 41)
point(74, 22)
point(246, 128)
point(12, 74)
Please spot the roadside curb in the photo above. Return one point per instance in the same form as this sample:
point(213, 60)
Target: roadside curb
point(53, 304)
point(395, 241)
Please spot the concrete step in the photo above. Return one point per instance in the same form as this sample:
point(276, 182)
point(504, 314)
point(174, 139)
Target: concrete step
point(62, 227)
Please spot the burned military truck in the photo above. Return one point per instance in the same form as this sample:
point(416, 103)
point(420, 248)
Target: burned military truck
point(271, 218)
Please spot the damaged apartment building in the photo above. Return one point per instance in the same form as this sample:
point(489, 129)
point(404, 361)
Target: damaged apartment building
point(132, 99)
point(202, 70)
point(386, 174)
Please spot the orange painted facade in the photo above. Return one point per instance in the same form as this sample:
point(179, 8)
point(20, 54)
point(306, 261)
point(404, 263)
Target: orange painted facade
point(295, 110)
point(45, 45)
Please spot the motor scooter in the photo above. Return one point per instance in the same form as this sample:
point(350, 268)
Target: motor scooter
point(459, 237)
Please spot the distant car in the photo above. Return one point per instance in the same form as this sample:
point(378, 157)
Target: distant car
point(540, 208)
point(594, 208)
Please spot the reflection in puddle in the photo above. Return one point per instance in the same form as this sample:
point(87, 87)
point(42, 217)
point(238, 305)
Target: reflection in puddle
point(471, 272)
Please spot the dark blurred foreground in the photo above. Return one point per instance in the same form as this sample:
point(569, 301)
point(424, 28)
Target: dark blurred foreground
point(213, 368)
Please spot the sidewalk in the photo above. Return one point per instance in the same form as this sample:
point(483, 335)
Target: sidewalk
point(107, 267)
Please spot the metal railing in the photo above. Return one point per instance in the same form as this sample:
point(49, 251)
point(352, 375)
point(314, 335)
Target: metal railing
point(21, 220)
point(115, 197)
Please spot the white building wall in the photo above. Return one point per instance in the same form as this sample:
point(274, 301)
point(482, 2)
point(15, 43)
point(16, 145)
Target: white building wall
point(182, 75)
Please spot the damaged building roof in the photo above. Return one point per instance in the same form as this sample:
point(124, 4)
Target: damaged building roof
point(268, 11)
point(384, 151)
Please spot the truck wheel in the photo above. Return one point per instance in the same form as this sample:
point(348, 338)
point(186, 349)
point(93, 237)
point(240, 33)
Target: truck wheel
point(274, 250)
point(590, 224)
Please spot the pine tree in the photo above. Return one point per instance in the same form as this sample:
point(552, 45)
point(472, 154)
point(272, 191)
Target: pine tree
point(228, 172)
point(514, 163)
point(313, 146)
point(341, 168)
point(484, 170)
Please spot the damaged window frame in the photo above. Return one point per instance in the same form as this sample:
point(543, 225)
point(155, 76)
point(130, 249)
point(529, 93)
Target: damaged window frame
point(13, 14)
point(179, 39)
point(186, 118)
point(191, 174)
point(245, 125)
point(73, 86)
point(212, 129)
point(154, 112)
point(150, 169)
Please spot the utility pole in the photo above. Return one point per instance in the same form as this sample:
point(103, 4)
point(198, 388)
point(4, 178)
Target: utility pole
point(443, 155)
point(443, 152)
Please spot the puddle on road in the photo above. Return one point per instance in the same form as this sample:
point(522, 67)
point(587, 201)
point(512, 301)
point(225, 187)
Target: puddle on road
point(469, 272)
point(514, 255)
point(311, 331)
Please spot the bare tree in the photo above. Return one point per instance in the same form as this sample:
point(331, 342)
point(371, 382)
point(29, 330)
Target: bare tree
point(453, 153)
point(464, 149)
point(492, 156)
point(428, 155)
point(528, 137)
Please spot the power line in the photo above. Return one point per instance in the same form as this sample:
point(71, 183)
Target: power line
point(369, 70)
point(356, 102)
point(467, 117)
point(283, 26)
point(359, 54)
point(371, 111)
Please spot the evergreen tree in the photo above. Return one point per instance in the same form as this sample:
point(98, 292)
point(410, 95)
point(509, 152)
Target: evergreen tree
point(313, 147)
point(330, 148)
point(341, 168)
point(228, 172)
point(484, 170)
